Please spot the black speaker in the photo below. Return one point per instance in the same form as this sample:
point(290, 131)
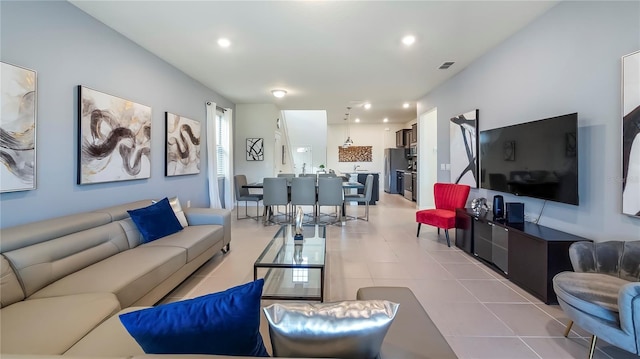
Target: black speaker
point(515, 212)
point(498, 207)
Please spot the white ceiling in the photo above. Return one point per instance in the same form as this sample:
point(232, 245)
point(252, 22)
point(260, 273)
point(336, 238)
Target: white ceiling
point(327, 54)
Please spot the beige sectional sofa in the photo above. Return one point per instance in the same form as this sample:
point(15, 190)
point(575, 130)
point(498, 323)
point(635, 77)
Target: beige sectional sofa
point(64, 281)
point(60, 279)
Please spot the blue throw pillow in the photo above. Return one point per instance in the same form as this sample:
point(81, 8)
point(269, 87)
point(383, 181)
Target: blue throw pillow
point(224, 323)
point(156, 221)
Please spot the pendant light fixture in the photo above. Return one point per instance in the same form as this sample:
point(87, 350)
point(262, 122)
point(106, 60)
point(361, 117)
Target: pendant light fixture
point(348, 142)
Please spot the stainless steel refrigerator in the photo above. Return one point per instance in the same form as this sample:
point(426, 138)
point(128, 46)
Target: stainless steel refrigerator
point(394, 159)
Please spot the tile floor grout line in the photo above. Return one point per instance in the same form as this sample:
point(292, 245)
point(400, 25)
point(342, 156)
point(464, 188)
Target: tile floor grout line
point(396, 235)
point(528, 346)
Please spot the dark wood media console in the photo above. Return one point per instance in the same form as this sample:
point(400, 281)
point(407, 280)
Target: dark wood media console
point(528, 254)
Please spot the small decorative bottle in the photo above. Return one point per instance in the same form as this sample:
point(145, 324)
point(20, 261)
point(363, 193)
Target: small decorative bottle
point(298, 228)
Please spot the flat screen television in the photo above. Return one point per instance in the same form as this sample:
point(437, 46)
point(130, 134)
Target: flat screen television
point(535, 159)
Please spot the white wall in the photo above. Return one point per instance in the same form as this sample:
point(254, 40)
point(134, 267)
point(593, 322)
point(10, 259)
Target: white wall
point(427, 158)
point(255, 121)
point(281, 139)
point(67, 48)
point(308, 128)
point(566, 61)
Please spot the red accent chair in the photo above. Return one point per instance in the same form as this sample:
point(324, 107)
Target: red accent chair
point(448, 197)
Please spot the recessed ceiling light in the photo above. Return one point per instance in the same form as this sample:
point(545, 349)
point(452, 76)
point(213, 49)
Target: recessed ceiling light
point(357, 120)
point(405, 105)
point(367, 106)
point(222, 42)
point(278, 93)
point(409, 40)
point(385, 120)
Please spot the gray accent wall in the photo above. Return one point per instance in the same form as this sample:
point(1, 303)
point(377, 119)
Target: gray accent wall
point(568, 60)
point(68, 48)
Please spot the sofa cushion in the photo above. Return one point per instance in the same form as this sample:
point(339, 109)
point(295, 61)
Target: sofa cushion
point(194, 239)
point(129, 275)
point(593, 293)
point(108, 339)
point(155, 221)
point(206, 216)
point(630, 261)
point(41, 264)
point(118, 212)
point(42, 231)
point(177, 209)
point(348, 329)
point(53, 325)
point(10, 289)
point(225, 323)
point(441, 218)
point(111, 339)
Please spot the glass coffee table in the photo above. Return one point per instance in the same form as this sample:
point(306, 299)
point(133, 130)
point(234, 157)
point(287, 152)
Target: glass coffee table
point(293, 269)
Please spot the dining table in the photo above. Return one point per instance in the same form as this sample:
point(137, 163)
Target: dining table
point(346, 185)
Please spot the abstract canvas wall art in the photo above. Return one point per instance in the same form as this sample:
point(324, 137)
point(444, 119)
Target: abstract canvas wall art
point(255, 149)
point(17, 128)
point(463, 135)
point(631, 134)
point(114, 138)
point(182, 143)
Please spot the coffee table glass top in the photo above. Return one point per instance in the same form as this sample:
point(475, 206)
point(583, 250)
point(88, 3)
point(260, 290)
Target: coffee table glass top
point(293, 269)
point(282, 247)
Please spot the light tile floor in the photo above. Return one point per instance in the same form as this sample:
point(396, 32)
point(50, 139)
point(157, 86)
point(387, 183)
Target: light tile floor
point(481, 314)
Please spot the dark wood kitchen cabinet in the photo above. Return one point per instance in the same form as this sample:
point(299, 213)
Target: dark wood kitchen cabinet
point(399, 138)
point(528, 254)
point(407, 138)
point(403, 138)
point(414, 134)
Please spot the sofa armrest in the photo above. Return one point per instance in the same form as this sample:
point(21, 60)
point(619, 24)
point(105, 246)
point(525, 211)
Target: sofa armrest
point(202, 216)
point(629, 309)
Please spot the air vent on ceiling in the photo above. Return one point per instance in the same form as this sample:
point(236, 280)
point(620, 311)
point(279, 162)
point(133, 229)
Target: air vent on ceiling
point(446, 65)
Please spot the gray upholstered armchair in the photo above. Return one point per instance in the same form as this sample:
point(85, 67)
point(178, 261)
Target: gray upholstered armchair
point(603, 294)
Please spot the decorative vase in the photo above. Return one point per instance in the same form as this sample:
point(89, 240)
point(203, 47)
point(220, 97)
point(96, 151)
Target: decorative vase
point(298, 227)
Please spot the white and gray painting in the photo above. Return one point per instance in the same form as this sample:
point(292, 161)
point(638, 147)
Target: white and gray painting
point(115, 138)
point(17, 128)
point(183, 146)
